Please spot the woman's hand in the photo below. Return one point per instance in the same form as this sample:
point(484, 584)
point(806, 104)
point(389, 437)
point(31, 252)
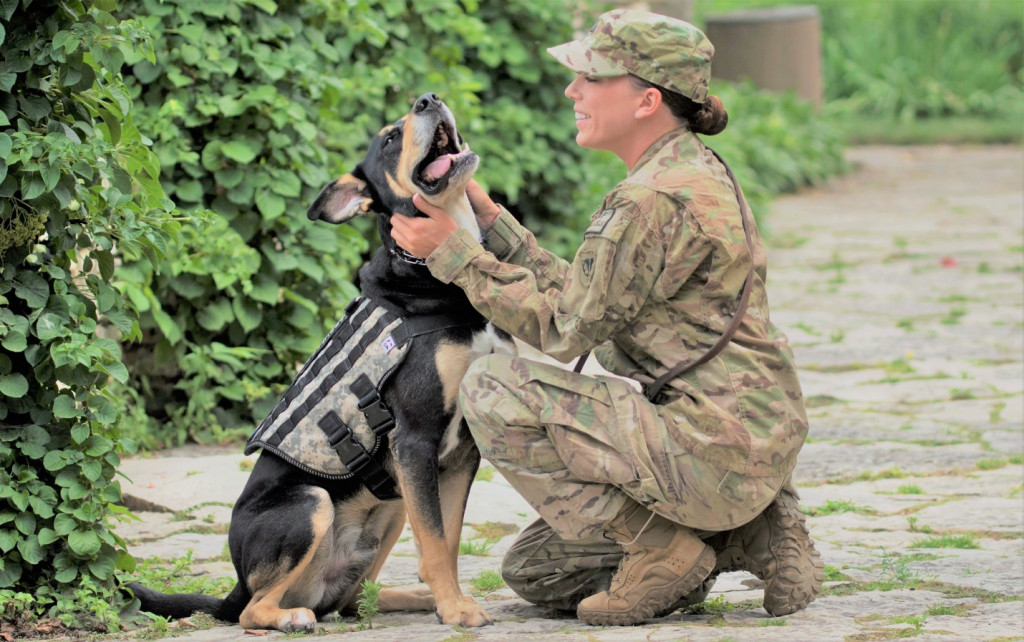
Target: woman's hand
point(485, 209)
point(421, 236)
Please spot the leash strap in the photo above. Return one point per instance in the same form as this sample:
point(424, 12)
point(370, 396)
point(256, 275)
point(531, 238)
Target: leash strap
point(652, 391)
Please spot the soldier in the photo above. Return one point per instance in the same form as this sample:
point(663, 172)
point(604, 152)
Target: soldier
point(642, 500)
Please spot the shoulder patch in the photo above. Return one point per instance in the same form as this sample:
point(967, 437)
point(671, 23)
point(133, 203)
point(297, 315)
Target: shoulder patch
point(600, 221)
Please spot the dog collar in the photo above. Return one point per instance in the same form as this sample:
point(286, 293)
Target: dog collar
point(402, 255)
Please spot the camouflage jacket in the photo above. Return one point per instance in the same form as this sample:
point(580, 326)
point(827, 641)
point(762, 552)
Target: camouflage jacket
point(654, 283)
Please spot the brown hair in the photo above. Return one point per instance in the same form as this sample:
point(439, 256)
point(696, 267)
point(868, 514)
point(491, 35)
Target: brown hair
point(708, 118)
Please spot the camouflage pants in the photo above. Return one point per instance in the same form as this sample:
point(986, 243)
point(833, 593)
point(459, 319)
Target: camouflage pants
point(582, 448)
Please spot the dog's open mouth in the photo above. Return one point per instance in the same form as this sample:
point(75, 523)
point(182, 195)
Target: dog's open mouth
point(432, 173)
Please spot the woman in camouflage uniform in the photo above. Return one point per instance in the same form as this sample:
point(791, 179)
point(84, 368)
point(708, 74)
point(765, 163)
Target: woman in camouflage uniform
point(642, 501)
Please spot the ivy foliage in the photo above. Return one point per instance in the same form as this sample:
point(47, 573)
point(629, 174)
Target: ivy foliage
point(252, 107)
point(78, 194)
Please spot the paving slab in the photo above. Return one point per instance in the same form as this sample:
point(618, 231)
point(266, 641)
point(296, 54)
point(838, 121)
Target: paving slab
point(901, 287)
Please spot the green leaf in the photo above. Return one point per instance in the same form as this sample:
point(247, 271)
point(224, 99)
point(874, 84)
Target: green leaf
point(13, 385)
point(26, 523)
point(7, 79)
point(267, 5)
point(15, 341)
point(8, 539)
point(103, 567)
point(248, 314)
point(84, 542)
point(32, 289)
point(101, 408)
point(40, 507)
point(47, 536)
point(54, 460)
point(36, 107)
point(270, 205)
point(5, 145)
point(50, 326)
point(241, 150)
point(125, 562)
point(64, 524)
point(191, 191)
point(64, 408)
point(31, 552)
point(216, 315)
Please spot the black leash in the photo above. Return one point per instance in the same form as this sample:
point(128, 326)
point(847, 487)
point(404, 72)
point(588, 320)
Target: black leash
point(651, 391)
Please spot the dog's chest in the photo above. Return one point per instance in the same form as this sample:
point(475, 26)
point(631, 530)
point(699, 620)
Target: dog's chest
point(452, 365)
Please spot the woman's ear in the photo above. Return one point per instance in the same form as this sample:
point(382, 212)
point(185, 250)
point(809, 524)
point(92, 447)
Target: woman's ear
point(650, 100)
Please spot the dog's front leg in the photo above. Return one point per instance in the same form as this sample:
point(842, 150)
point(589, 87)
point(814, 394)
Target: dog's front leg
point(417, 474)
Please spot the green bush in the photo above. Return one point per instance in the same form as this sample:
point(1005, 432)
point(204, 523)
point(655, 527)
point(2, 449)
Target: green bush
point(78, 194)
point(921, 59)
point(252, 107)
point(938, 58)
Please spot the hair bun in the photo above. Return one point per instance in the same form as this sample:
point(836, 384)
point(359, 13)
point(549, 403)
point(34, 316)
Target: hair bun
point(711, 118)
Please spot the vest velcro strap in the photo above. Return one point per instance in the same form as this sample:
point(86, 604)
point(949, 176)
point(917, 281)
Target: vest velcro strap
point(378, 417)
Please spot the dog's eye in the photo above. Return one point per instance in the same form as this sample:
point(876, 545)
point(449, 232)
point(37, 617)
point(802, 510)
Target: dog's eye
point(392, 136)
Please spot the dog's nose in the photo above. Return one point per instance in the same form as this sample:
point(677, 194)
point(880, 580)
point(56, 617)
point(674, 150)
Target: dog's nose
point(426, 101)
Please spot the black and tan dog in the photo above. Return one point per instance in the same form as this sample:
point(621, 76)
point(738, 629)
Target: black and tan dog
point(302, 544)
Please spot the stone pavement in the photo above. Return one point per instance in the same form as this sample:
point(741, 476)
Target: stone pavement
point(902, 291)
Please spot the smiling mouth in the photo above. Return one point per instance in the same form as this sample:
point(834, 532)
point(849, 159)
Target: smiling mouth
point(432, 173)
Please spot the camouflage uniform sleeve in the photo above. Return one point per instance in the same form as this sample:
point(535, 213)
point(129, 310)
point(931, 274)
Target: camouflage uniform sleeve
point(607, 283)
point(512, 243)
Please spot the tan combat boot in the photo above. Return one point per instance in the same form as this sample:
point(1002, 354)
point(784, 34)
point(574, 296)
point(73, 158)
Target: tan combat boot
point(663, 562)
point(776, 547)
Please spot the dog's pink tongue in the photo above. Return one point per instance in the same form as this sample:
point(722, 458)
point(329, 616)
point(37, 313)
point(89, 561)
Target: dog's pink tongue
point(438, 168)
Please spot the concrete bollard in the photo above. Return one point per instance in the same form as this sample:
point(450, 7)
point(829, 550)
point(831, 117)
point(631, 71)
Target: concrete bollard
point(778, 49)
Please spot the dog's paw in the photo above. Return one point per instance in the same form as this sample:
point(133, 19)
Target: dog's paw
point(294, 620)
point(463, 612)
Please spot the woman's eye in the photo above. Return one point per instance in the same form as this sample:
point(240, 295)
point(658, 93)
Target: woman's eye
point(590, 79)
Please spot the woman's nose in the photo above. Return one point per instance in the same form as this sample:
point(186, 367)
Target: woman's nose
point(572, 89)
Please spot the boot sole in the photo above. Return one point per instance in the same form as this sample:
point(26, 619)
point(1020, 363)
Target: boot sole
point(799, 571)
point(657, 601)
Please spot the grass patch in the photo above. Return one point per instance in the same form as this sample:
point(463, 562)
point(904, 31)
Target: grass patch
point(480, 548)
point(818, 401)
point(715, 607)
point(485, 473)
point(833, 574)
point(835, 506)
point(176, 576)
point(947, 540)
point(914, 528)
point(953, 130)
point(990, 464)
point(910, 489)
point(495, 530)
point(486, 582)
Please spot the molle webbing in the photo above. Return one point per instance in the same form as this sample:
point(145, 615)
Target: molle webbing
point(332, 421)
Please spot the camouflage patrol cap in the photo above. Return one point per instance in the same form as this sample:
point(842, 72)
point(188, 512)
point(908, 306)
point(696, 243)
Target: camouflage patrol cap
point(661, 50)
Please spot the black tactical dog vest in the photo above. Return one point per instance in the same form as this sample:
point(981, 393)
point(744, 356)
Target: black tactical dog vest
point(332, 421)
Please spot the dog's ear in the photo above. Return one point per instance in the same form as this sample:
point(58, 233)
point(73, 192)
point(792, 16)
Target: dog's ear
point(341, 200)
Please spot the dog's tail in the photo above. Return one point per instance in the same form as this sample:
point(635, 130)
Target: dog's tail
point(185, 604)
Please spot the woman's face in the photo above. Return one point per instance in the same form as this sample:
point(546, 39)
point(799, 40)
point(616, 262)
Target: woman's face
point(605, 112)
